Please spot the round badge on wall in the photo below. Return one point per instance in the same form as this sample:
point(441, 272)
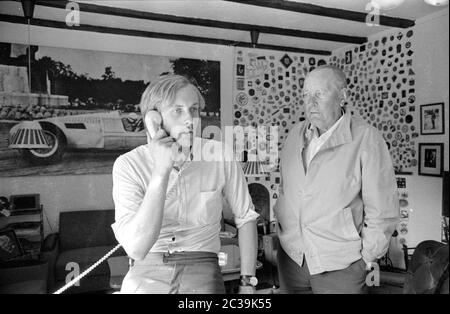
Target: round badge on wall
point(242, 99)
point(256, 99)
point(409, 118)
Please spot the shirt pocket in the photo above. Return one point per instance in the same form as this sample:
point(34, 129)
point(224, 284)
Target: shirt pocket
point(210, 209)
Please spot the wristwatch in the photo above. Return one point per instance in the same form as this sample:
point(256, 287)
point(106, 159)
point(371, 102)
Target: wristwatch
point(248, 281)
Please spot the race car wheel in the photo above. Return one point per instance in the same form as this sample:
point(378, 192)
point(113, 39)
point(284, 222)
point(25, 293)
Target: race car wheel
point(57, 143)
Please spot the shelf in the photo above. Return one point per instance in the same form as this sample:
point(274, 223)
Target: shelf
point(18, 219)
point(24, 225)
point(28, 233)
point(25, 212)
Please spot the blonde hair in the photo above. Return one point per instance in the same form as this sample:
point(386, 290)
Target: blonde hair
point(161, 93)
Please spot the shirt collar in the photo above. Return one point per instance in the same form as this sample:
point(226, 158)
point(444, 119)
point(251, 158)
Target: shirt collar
point(312, 131)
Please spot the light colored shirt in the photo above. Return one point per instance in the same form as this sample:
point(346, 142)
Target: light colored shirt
point(346, 206)
point(316, 141)
point(193, 205)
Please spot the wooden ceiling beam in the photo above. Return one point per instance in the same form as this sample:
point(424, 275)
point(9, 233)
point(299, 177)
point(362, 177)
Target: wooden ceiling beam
point(130, 32)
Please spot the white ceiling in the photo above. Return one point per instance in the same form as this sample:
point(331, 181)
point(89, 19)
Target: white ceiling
point(408, 9)
point(236, 13)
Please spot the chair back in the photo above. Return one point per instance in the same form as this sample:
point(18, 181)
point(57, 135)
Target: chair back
point(428, 269)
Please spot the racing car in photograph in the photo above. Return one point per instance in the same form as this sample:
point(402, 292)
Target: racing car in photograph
point(46, 140)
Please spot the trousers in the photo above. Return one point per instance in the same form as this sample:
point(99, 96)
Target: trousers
point(296, 279)
point(179, 272)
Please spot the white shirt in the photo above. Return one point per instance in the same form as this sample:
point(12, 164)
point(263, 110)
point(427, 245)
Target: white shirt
point(193, 206)
point(316, 141)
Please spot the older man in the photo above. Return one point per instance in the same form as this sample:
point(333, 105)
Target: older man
point(338, 204)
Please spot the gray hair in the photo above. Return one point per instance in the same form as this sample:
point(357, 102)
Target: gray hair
point(338, 73)
point(161, 93)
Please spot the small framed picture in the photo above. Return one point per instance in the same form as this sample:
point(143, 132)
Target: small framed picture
point(10, 247)
point(431, 157)
point(432, 119)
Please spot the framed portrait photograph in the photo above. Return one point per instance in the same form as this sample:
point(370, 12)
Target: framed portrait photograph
point(9, 245)
point(431, 158)
point(432, 119)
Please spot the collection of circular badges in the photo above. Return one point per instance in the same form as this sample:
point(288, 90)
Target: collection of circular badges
point(380, 79)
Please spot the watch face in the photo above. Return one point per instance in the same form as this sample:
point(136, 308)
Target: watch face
point(249, 281)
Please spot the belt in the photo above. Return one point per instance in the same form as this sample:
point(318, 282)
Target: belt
point(185, 258)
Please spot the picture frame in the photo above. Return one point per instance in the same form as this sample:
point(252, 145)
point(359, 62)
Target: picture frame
point(432, 119)
point(10, 247)
point(431, 159)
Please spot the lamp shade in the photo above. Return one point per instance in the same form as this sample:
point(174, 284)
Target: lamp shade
point(29, 135)
point(254, 34)
point(28, 8)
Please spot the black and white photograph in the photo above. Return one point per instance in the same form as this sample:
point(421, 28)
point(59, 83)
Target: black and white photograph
point(224, 153)
point(87, 105)
point(431, 158)
point(9, 246)
point(432, 119)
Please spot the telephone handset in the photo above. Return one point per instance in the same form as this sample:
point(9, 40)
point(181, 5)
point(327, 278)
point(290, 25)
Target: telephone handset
point(153, 121)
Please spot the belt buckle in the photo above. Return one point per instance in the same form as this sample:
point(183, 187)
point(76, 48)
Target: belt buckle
point(165, 256)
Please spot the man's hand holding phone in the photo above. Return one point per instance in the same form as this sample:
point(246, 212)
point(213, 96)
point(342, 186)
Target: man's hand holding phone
point(163, 148)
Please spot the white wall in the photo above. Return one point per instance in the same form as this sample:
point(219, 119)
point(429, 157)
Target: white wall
point(431, 64)
point(62, 193)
